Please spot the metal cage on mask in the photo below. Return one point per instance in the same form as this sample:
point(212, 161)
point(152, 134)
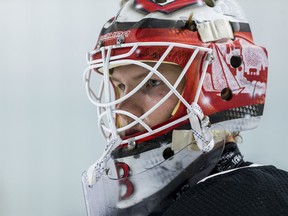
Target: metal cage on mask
point(106, 103)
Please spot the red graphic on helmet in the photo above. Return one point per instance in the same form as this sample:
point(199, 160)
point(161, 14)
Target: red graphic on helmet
point(126, 185)
point(167, 6)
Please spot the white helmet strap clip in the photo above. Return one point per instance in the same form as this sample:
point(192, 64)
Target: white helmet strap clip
point(200, 125)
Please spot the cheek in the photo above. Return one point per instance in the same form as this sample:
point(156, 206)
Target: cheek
point(153, 97)
point(170, 103)
point(162, 113)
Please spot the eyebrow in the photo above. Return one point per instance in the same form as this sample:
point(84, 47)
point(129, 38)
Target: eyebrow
point(140, 76)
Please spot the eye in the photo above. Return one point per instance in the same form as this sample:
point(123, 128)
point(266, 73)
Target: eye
point(121, 87)
point(152, 83)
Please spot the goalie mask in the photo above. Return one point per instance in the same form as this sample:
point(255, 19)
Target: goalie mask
point(168, 78)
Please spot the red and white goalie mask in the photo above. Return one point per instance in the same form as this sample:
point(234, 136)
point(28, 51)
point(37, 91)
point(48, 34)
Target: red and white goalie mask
point(169, 78)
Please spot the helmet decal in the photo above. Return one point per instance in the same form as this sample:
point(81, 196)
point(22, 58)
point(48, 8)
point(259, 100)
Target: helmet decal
point(239, 67)
point(167, 6)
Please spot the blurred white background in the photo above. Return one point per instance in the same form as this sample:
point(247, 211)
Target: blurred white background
point(48, 132)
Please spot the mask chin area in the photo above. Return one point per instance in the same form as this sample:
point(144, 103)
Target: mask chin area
point(150, 181)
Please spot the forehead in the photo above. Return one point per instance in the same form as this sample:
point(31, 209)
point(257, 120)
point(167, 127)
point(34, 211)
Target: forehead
point(132, 69)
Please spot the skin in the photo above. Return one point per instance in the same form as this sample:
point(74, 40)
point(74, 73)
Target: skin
point(126, 78)
point(230, 138)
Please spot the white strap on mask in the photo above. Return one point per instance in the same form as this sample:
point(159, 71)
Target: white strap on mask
point(215, 30)
point(200, 127)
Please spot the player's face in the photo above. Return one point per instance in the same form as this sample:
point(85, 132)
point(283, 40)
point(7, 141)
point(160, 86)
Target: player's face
point(126, 78)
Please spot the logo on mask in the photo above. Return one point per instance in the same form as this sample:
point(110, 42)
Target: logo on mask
point(164, 6)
